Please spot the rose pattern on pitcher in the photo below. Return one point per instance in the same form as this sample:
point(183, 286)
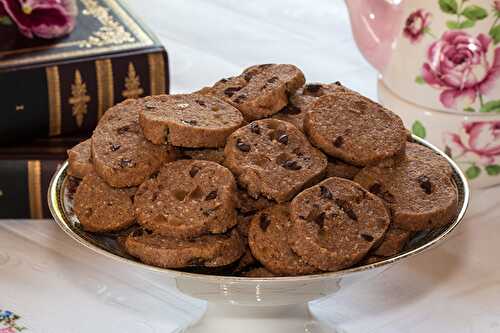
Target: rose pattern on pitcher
point(8, 322)
point(416, 25)
point(463, 67)
point(476, 146)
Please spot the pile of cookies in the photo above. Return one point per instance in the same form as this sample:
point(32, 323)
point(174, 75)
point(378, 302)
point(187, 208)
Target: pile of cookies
point(259, 175)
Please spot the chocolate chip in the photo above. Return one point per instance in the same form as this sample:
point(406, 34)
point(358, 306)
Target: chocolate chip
point(291, 165)
point(425, 184)
point(190, 122)
point(291, 110)
point(201, 103)
point(222, 81)
point(264, 221)
point(194, 171)
point(123, 129)
point(338, 83)
point(312, 88)
point(240, 98)
point(254, 127)
point(249, 75)
point(325, 192)
point(366, 237)
point(115, 146)
point(283, 138)
point(338, 142)
point(244, 147)
point(229, 92)
point(211, 196)
point(320, 219)
point(273, 79)
point(375, 188)
point(126, 163)
point(346, 207)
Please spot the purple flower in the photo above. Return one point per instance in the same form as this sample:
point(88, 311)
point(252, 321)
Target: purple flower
point(42, 18)
point(416, 24)
point(458, 64)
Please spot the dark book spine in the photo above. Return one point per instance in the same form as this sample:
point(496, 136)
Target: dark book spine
point(69, 98)
point(23, 187)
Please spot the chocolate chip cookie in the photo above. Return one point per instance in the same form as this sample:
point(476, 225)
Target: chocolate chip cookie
point(393, 242)
point(260, 91)
point(259, 272)
point(416, 187)
point(102, 208)
point(207, 154)
point(188, 198)
point(188, 120)
point(302, 99)
point(207, 251)
point(336, 223)
point(268, 240)
point(351, 127)
point(79, 162)
point(273, 158)
point(248, 205)
point(338, 168)
point(121, 154)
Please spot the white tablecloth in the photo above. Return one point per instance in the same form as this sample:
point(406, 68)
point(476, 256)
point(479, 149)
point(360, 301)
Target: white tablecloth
point(57, 286)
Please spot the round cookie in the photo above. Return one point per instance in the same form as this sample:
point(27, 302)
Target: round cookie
point(101, 208)
point(79, 162)
point(188, 198)
point(416, 187)
point(188, 120)
point(273, 158)
point(338, 168)
point(393, 242)
point(167, 252)
point(248, 205)
point(268, 240)
point(302, 99)
point(259, 272)
point(121, 154)
point(336, 223)
point(353, 128)
point(206, 154)
point(260, 91)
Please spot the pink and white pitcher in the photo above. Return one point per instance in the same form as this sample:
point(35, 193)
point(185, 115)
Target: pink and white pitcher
point(439, 62)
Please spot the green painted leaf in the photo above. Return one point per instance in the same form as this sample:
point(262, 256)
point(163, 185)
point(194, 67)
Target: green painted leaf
point(448, 6)
point(495, 33)
point(418, 129)
point(452, 25)
point(491, 106)
point(472, 172)
point(493, 169)
point(469, 109)
point(474, 12)
point(467, 24)
point(420, 80)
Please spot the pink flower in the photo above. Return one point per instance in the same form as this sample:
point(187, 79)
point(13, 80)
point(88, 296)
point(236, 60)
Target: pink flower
point(7, 330)
point(416, 24)
point(496, 5)
point(458, 64)
point(480, 138)
point(42, 18)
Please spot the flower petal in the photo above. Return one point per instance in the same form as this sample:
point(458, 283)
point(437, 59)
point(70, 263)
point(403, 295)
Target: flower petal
point(449, 96)
point(454, 142)
point(493, 74)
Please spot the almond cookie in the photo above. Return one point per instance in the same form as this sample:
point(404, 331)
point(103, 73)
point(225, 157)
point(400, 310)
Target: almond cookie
point(268, 240)
point(393, 242)
point(188, 198)
point(353, 128)
point(102, 208)
point(260, 91)
point(273, 158)
point(302, 99)
point(416, 187)
point(79, 162)
point(338, 168)
point(121, 154)
point(336, 223)
point(188, 120)
point(206, 154)
point(167, 252)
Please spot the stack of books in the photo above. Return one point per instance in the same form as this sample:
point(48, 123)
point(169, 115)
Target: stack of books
point(54, 92)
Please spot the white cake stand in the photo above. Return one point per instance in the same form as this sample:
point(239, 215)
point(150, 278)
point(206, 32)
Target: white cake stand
point(257, 305)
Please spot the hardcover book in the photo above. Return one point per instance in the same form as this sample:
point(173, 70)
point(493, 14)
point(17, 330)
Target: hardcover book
point(60, 87)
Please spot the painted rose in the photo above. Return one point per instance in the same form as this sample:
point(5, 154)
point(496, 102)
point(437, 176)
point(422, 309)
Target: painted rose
point(480, 138)
point(496, 5)
point(7, 330)
point(416, 24)
point(462, 66)
point(42, 18)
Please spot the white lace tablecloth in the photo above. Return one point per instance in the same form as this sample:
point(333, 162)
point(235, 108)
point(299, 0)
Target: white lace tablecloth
point(56, 286)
